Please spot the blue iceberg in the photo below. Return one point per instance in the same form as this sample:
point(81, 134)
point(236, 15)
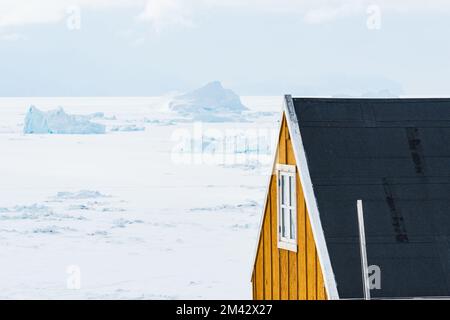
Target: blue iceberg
point(59, 122)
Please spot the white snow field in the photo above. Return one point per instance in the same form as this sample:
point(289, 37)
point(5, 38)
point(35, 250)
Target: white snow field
point(140, 212)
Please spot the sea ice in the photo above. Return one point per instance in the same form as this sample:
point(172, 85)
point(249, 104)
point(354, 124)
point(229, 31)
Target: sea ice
point(134, 172)
point(128, 128)
point(59, 122)
point(32, 212)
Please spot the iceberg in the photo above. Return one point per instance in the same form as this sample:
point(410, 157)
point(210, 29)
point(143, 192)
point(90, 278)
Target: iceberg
point(211, 101)
point(59, 122)
point(82, 194)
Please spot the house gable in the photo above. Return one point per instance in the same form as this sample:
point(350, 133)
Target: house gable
point(278, 273)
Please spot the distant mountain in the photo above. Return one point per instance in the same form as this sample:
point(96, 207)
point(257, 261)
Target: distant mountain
point(379, 94)
point(208, 102)
point(385, 93)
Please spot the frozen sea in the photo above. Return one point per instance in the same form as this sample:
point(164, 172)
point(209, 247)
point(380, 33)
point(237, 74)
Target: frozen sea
point(137, 213)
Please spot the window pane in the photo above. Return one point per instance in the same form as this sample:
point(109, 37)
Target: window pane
point(282, 190)
point(286, 190)
point(287, 223)
point(290, 190)
point(283, 223)
point(292, 224)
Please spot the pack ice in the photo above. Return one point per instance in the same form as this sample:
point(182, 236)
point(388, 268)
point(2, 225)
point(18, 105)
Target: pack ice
point(59, 122)
point(211, 102)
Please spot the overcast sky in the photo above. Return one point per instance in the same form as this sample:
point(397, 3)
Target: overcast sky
point(256, 47)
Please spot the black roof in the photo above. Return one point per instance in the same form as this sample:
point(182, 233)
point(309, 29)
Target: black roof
point(394, 154)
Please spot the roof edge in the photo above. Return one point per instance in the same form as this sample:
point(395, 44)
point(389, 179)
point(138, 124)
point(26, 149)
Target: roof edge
point(310, 199)
point(374, 99)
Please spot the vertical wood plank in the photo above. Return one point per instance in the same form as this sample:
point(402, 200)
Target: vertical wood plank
point(267, 254)
point(293, 259)
point(275, 251)
point(293, 281)
point(282, 143)
point(253, 286)
point(284, 256)
point(290, 155)
point(301, 252)
point(311, 262)
point(284, 270)
point(260, 270)
point(321, 295)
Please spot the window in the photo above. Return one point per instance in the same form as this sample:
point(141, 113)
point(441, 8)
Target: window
point(287, 207)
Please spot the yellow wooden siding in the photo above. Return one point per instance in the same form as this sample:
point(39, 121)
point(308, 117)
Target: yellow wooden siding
point(272, 199)
point(267, 257)
point(259, 273)
point(278, 273)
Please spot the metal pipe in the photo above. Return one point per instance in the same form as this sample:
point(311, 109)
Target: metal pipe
point(362, 242)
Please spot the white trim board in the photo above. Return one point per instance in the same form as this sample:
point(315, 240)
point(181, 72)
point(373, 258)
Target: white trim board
point(310, 199)
point(287, 243)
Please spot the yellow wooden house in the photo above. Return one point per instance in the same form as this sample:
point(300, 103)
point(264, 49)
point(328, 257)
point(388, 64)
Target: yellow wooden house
point(334, 155)
point(288, 264)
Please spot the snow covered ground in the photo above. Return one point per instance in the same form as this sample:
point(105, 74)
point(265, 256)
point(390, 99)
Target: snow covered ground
point(122, 215)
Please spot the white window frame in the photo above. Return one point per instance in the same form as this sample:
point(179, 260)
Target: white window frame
point(290, 242)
